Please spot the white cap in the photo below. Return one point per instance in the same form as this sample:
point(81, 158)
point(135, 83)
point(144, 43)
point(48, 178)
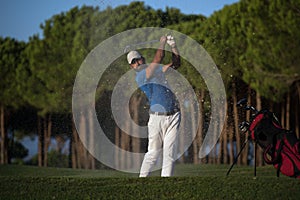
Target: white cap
point(132, 55)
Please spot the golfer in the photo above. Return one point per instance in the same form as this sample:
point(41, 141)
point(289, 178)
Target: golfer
point(164, 110)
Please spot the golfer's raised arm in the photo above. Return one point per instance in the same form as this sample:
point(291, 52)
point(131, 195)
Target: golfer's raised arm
point(175, 58)
point(175, 54)
point(159, 55)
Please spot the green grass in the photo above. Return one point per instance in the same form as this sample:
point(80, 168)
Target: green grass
point(189, 182)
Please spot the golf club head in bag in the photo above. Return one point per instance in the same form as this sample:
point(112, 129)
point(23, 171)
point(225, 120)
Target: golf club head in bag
point(281, 147)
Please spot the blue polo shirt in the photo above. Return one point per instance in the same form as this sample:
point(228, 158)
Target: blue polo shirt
point(157, 90)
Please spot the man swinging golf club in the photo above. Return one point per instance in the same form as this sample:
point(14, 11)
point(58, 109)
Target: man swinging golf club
point(164, 110)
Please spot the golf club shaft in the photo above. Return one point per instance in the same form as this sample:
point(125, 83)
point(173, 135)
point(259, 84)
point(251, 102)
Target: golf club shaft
point(236, 158)
point(255, 157)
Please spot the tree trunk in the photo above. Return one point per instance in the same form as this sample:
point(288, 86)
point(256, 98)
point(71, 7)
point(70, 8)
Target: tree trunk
point(288, 107)
point(298, 89)
point(201, 120)
point(297, 120)
point(45, 151)
point(223, 136)
point(47, 137)
point(74, 152)
point(40, 142)
point(117, 143)
point(1, 150)
point(128, 146)
point(283, 114)
point(221, 141)
point(225, 141)
point(236, 122)
point(297, 112)
point(259, 150)
point(60, 143)
point(83, 156)
point(246, 149)
point(125, 142)
point(213, 153)
point(231, 150)
point(4, 139)
point(194, 132)
point(91, 138)
point(70, 156)
point(135, 142)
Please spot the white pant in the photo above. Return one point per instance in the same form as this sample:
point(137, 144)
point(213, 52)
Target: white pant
point(163, 131)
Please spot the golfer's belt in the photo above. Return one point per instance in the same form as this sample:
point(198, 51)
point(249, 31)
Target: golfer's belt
point(164, 113)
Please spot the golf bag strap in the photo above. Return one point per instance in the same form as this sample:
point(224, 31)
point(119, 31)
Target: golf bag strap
point(265, 154)
point(275, 157)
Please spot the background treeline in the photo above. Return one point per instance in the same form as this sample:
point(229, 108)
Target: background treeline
point(255, 44)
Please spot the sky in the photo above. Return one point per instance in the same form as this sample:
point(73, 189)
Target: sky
point(21, 19)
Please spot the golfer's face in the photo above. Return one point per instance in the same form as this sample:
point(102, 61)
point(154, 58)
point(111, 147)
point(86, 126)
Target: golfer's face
point(137, 62)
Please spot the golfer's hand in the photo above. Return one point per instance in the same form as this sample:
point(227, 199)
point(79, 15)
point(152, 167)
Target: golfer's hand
point(163, 40)
point(170, 40)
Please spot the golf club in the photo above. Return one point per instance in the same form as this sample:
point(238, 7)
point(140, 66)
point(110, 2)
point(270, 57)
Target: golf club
point(244, 127)
point(243, 103)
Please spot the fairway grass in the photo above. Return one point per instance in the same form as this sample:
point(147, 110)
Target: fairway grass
point(189, 182)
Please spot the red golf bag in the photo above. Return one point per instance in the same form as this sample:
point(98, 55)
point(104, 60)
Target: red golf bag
point(281, 148)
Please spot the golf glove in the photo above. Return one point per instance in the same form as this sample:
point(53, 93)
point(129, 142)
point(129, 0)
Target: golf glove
point(171, 41)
